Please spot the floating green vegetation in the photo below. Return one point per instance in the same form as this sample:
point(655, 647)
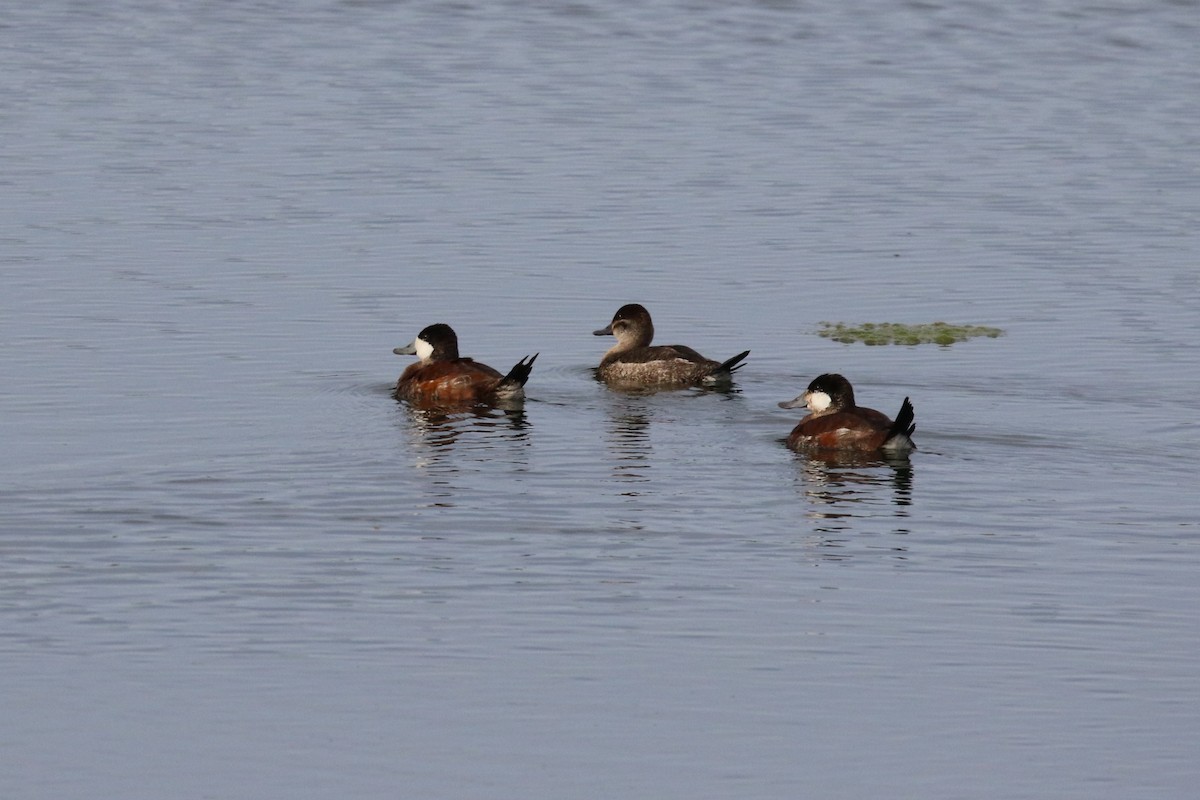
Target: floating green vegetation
point(873, 333)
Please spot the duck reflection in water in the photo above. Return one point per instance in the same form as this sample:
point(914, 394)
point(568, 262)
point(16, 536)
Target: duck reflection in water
point(445, 445)
point(836, 478)
point(629, 441)
point(849, 494)
point(634, 414)
point(441, 428)
point(456, 453)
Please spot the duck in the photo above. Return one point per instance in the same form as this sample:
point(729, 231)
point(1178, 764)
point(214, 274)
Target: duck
point(836, 423)
point(634, 362)
point(441, 377)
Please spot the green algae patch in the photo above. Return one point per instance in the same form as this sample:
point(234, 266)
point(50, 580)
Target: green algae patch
point(878, 333)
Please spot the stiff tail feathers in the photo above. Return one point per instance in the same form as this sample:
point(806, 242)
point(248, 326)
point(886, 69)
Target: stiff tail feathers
point(900, 434)
point(516, 377)
point(731, 365)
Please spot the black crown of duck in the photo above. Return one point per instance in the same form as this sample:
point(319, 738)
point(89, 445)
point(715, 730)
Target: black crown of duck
point(836, 423)
point(634, 362)
point(443, 378)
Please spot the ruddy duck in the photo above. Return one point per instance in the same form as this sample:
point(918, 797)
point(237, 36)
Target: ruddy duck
point(634, 362)
point(837, 424)
point(443, 378)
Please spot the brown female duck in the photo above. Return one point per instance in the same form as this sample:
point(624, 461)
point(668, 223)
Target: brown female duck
point(634, 361)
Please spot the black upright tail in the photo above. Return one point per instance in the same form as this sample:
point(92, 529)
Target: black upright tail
point(516, 377)
point(900, 434)
point(732, 365)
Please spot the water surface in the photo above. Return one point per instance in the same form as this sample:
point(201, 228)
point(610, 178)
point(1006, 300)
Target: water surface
point(233, 565)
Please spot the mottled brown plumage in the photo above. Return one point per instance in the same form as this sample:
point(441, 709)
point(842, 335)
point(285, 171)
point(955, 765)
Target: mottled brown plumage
point(634, 362)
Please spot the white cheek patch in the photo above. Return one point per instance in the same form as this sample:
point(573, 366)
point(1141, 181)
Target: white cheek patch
point(817, 401)
point(424, 349)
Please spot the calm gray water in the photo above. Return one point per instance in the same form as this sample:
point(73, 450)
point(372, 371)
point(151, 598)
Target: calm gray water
point(232, 566)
